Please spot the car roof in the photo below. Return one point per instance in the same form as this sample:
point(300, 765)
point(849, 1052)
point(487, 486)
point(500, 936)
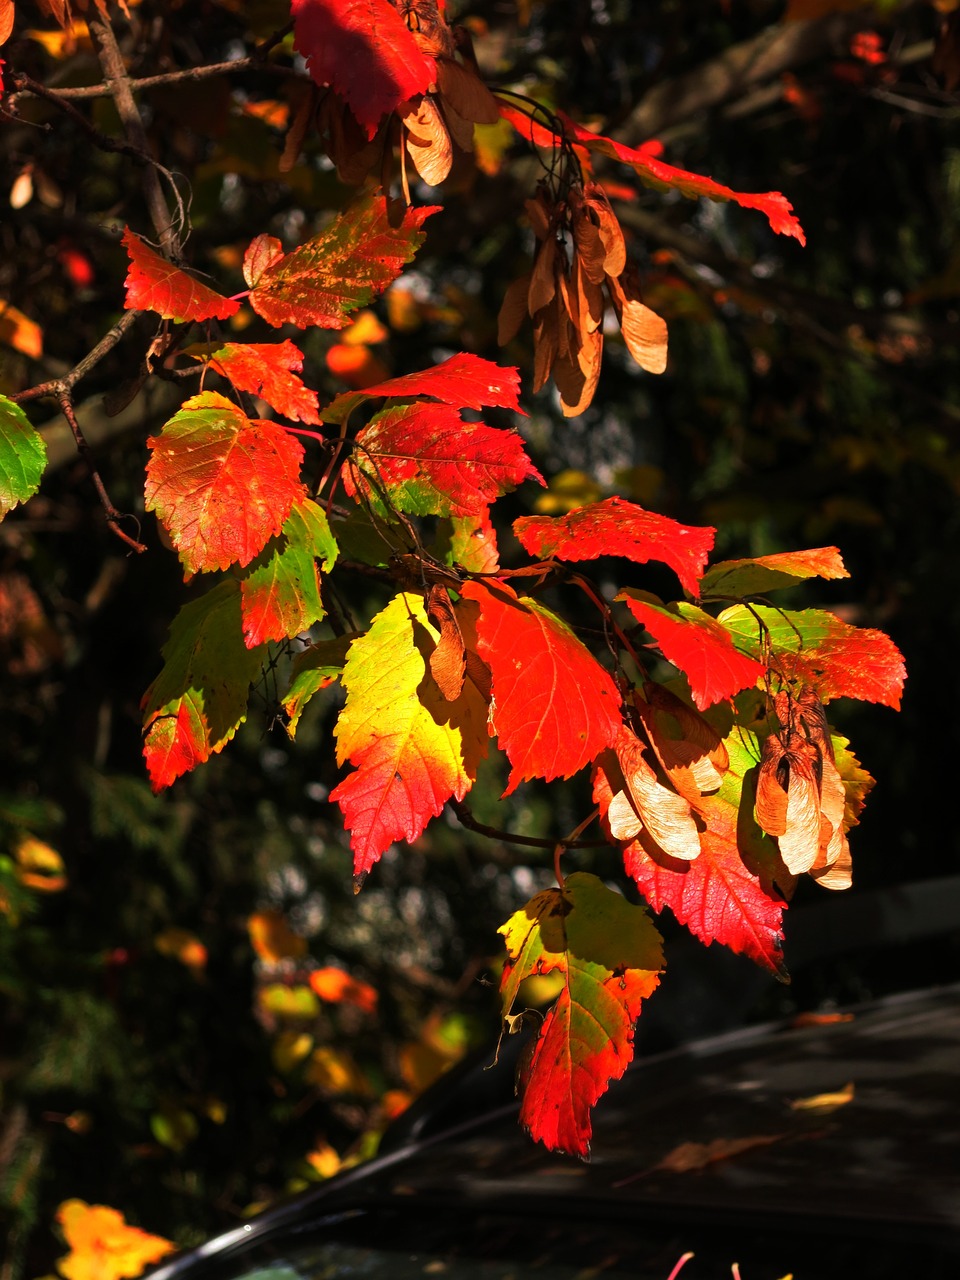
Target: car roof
point(845, 1127)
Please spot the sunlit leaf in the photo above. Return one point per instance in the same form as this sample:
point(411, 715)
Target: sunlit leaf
point(23, 456)
point(280, 593)
point(762, 574)
point(267, 370)
point(554, 707)
point(610, 955)
point(618, 528)
point(222, 483)
point(155, 284)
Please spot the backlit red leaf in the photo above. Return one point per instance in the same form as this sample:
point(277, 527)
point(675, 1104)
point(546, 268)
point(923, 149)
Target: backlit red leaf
point(154, 284)
point(554, 708)
point(655, 173)
point(464, 380)
point(221, 483)
point(816, 648)
point(195, 705)
point(411, 749)
point(699, 646)
point(761, 574)
point(341, 269)
point(265, 369)
point(365, 51)
point(718, 896)
point(610, 955)
point(615, 527)
point(430, 462)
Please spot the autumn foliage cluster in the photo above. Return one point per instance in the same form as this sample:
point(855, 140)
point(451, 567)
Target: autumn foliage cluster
point(701, 719)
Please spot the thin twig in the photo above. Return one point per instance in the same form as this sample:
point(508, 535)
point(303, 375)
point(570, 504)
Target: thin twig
point(466, 818)
point(115, 74)
point(64, 385)
point(113, 515)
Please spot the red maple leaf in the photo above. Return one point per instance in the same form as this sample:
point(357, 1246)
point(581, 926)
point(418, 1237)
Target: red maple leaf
point(265, 369)
point(431, 462)
point(154, 284)
point(761, 574)
point(467, 381)
point(618, 528)
point(365, 51)
point(344, 267)
point(699, 646)
point(554, 707)
point(655, 173)
point(221, 483)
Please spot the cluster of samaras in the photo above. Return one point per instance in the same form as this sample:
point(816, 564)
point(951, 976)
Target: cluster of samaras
point(580, 253)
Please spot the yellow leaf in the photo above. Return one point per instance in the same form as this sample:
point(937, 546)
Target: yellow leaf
point(365, 329)
point(323, 1160)
point(20, 333)
point(102, 1245)
point(40, 866)
point(567, 491)
point(821, 1104)
point(289, 1049)
point(59, 44)
point(292, 1003)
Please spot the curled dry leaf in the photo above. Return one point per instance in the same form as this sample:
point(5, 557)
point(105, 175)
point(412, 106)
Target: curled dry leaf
point(427, 139)
point(689, 749)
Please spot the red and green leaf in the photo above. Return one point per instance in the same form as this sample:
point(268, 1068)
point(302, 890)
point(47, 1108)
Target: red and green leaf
point(322, 281)
point(816, 648)
point(410, 748)
point(154, 284)
point(314, 669)
point(266, 369)
point(426, 460)
point(23, 456)
point(221, 483)
point(470, 542)
point(615, 527)
point(281, 596)
point(696, 643)
point(466, 381)
point(763, 574)
point(610, 955)
point(554, 708)
point(363, 49)
point(199, 699)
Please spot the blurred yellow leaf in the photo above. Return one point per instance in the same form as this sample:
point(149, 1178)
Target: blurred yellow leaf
point(403, 310)
point(822, 1104)
point(174, 1127)
point(323, 1160)
point(272, 938)
point(40, 866)
point(102, 1245)
point(567, 491)
point(334, 1072)
point(60, 44)
point(288, 1002)
point(20, 333)
point(289, 1050)
point(365, 329)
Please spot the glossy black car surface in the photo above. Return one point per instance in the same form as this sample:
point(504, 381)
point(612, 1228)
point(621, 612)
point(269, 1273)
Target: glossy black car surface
point(821, 1150)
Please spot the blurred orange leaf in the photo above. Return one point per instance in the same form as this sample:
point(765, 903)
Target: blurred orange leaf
point(20, 333)
point(102, 1245)
point(336, 987)
point(180, 944)
point(272, 938)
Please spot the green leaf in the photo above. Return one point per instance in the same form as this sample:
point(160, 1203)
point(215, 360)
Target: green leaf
point(23, 456)
point(313, 670)
point(199, 699)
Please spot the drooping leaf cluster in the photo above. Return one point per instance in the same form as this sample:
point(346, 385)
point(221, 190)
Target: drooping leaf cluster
point(701, 719)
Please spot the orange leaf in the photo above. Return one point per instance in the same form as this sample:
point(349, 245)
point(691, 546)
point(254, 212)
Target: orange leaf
point(336, 987)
